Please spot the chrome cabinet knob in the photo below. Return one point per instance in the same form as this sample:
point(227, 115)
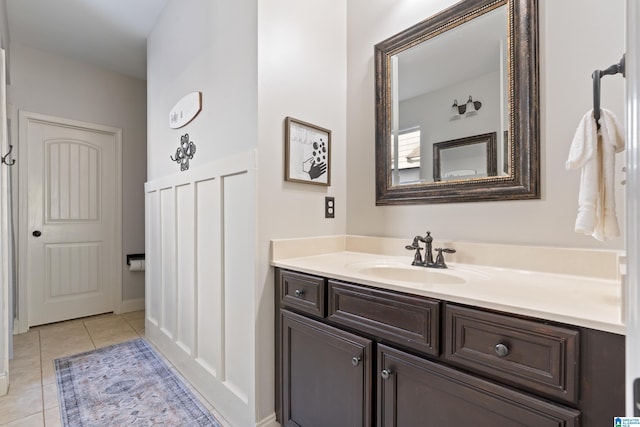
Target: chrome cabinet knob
point(299, 292)
point(385, 374)
point(501, 350)
point(355, 361)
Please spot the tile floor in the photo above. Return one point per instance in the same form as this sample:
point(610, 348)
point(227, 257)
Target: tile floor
point(32, 400)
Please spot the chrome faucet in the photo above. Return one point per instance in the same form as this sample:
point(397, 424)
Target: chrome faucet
point(428, 252)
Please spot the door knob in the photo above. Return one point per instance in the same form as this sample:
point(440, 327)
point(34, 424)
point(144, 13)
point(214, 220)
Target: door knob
point(385, 374)
point(355, 361)
point(36, 233)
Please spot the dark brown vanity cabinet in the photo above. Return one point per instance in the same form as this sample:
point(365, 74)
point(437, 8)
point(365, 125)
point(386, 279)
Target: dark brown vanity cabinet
point(326, 375)
point(353, 355)
point(413, 391)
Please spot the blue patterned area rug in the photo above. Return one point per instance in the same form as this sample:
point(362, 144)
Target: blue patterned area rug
point(125, 384)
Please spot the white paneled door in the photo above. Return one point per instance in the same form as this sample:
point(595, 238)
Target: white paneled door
point(72, 226)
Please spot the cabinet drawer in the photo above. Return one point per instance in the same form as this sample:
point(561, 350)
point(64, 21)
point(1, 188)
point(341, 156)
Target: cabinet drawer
point(303, 292)
point(409, 321)
point(533, 355)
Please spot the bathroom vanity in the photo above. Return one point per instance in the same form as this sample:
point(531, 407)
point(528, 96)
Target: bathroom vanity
point(357, 347)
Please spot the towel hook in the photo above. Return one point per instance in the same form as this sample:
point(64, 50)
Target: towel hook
point(4, 158)
point(596, 76)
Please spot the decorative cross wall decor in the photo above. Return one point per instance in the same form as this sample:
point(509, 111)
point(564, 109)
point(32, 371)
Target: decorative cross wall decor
point(185, 152)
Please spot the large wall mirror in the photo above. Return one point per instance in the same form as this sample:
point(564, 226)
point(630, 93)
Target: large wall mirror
point(464, 80)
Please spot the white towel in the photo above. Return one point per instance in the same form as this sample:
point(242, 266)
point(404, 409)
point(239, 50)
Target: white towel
point(594, 151)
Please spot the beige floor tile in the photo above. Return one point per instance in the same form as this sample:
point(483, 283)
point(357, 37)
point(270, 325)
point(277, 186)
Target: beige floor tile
point(21, 403)
point(26, 344)
point(66, 344)
point(103, 328)
point(35, 420)
point(24, 377)
point(115, 339)
point(137, 324)
point(50, 395)
point(52, 333)
point(29, 360)
point(48, 373)
point(64, 328)
point(52, 417)
point(103, 319)
point(66, 347)
point(133, 315)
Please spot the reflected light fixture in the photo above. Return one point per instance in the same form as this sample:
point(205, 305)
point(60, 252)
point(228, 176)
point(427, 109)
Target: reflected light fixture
point(473, 106)
point(470, 108)
point(457, 110)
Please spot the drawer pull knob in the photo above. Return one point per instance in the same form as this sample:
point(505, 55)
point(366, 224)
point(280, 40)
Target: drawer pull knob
point(501, 350)
point(299, 292)
point(385, 374)
point(355, 361)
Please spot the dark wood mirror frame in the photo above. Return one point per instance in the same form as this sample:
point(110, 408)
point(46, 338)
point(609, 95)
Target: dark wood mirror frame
point(523, 181)
point(488, 138)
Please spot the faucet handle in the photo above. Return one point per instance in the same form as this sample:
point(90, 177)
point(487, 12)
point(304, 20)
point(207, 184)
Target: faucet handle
point(417, 257)
point(414, 244)
point(440, 258)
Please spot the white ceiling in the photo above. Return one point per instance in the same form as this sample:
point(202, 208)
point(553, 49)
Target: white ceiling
point(110, 34)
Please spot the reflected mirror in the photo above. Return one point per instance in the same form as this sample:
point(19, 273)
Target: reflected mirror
point(465, 158)
point(457, 106)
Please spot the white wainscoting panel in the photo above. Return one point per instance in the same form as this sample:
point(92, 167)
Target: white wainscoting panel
point(200, 279)
point(186, 309)
point(209, 303)
point(240, 282)
point(153, 298)
point(168, 265)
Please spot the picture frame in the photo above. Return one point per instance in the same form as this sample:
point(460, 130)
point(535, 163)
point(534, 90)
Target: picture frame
point(307, 153)
point(486, 143)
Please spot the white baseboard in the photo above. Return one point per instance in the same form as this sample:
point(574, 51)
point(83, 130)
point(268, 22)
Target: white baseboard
point(4, 383)
point(131, 305)
point(20, 327)
point(269, 421)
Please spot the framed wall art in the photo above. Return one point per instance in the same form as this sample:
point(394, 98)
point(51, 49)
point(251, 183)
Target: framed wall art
point(307, 153)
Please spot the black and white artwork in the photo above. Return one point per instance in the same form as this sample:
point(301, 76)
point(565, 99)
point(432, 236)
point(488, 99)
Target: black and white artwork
point(307, 153)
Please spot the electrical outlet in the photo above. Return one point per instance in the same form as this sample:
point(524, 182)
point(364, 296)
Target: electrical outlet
point(329, 207)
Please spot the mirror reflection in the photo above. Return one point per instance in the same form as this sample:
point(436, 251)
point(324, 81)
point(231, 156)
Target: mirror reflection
point(447, 88)
point(465, 158)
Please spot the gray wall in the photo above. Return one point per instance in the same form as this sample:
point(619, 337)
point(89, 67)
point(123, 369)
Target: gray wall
point(51, 84)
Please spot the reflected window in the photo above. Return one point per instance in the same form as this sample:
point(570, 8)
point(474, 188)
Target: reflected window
point(409, 149)
point(408, 155)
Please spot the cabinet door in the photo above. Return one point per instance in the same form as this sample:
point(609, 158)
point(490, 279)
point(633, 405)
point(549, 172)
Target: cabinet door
point(416, 392)
point(326, 375)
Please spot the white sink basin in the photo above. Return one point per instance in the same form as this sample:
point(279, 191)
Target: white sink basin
point(410, 273)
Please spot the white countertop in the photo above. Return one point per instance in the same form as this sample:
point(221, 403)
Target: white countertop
point(573, 299)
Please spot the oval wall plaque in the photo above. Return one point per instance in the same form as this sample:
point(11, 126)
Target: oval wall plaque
point(185, 110)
